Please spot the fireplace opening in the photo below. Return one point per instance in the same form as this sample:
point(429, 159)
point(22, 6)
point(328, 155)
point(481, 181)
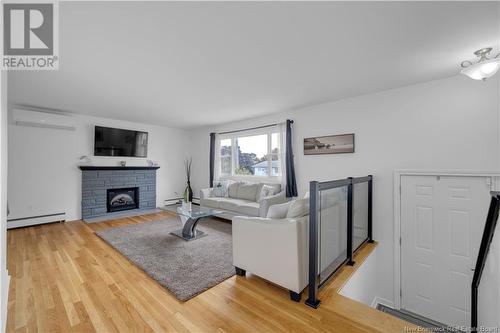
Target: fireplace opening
point(122, 199)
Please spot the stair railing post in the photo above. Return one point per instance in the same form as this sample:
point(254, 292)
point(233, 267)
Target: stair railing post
point(370, 207)
point(350, 262)
point(312, 300)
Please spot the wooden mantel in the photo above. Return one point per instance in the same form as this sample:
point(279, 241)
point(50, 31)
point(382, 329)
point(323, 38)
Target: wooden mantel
point(117, 167)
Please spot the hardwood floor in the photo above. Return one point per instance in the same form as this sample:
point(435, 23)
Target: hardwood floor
point(66, 279)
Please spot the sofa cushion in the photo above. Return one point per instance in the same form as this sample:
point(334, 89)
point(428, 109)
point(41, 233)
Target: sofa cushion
point(232, 190)
point(212, 202)
point(231, 204)
point(249, 208)
point(278, 211)
point(248, 191)
point(298, 208)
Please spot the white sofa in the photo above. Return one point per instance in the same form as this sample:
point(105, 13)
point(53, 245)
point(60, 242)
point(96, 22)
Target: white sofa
point(243, 198)
point(275, 249)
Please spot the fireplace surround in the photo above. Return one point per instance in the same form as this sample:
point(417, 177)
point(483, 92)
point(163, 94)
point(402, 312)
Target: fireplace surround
point(98, 182)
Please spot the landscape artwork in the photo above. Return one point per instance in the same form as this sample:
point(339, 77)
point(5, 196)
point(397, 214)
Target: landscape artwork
point(331, 144)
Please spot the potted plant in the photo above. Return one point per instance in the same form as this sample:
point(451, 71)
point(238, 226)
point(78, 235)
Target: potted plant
point(188, 192)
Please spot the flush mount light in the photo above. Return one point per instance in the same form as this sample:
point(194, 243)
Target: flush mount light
point(484, 68)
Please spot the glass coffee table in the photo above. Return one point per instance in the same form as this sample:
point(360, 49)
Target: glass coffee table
point(190, 220)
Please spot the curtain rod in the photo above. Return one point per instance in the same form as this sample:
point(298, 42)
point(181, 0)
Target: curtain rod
point(252, 128)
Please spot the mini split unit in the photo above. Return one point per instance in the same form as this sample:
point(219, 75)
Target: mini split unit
point(30, 118)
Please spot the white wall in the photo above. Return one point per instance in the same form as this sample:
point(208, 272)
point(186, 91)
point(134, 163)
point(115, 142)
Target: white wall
point(362, 286)
point(445, 124)
point(43, 173)
point(4, 278)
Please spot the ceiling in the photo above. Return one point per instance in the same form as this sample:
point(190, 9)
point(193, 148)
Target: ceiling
point(188, 64)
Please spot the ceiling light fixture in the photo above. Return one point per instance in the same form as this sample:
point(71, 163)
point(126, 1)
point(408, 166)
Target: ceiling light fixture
point(485, 66)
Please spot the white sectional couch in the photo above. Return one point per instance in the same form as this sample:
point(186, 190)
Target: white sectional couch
point(244, 198)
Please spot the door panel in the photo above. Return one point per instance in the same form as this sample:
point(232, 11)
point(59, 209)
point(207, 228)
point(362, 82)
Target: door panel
point(417, 251)
point(424, 226)
point(442, 219)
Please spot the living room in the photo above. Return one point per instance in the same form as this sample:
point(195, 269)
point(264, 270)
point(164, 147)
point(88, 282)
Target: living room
point(187, 163)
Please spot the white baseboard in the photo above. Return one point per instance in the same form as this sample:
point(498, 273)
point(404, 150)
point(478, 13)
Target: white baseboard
point(379, 300)
point(5, 281)
point(24, 222)
point(171, 201)
point(176, 200)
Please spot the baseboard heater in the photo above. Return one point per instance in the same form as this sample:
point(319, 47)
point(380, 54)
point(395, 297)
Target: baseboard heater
point(34, 220)
point(174, 201)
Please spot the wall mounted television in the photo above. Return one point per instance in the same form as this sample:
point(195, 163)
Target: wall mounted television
point(120, 142)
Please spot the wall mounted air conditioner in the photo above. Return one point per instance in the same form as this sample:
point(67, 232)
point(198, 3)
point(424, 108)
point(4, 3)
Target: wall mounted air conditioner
point(22, 117)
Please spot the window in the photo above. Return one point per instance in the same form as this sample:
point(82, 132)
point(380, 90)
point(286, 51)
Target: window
point(252, 151)
point(225, 157)
point(250, 154)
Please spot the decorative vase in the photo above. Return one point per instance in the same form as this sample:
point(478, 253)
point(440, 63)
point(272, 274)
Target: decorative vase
point(188, 192)
point(186, 206)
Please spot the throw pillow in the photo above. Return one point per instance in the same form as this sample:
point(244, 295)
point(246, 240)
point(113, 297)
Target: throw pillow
point(278, 211)
point(298, 208)
point(277, 188)
point(248, 191)
point(220, 189)
point(265, 192)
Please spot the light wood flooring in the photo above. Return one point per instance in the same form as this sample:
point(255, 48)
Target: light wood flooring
point(66, 279)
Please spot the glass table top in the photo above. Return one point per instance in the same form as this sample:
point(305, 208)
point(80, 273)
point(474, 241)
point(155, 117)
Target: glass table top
point(195, 212)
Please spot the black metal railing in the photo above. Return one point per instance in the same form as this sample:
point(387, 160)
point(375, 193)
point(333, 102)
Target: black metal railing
point(340, 221)
point(489, 231)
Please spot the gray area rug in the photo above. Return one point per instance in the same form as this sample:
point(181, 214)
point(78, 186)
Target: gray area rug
point(185, 268)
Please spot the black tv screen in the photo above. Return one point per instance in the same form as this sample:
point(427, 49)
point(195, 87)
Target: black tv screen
point(119, 142)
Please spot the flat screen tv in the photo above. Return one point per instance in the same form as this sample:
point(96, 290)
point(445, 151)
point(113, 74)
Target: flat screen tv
point(119, 142)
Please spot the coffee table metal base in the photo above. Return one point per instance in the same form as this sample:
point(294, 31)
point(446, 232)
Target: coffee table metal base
point(189, 232)
point(197, 234)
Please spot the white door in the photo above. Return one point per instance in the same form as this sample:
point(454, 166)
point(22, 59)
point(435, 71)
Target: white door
point(442, 220)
